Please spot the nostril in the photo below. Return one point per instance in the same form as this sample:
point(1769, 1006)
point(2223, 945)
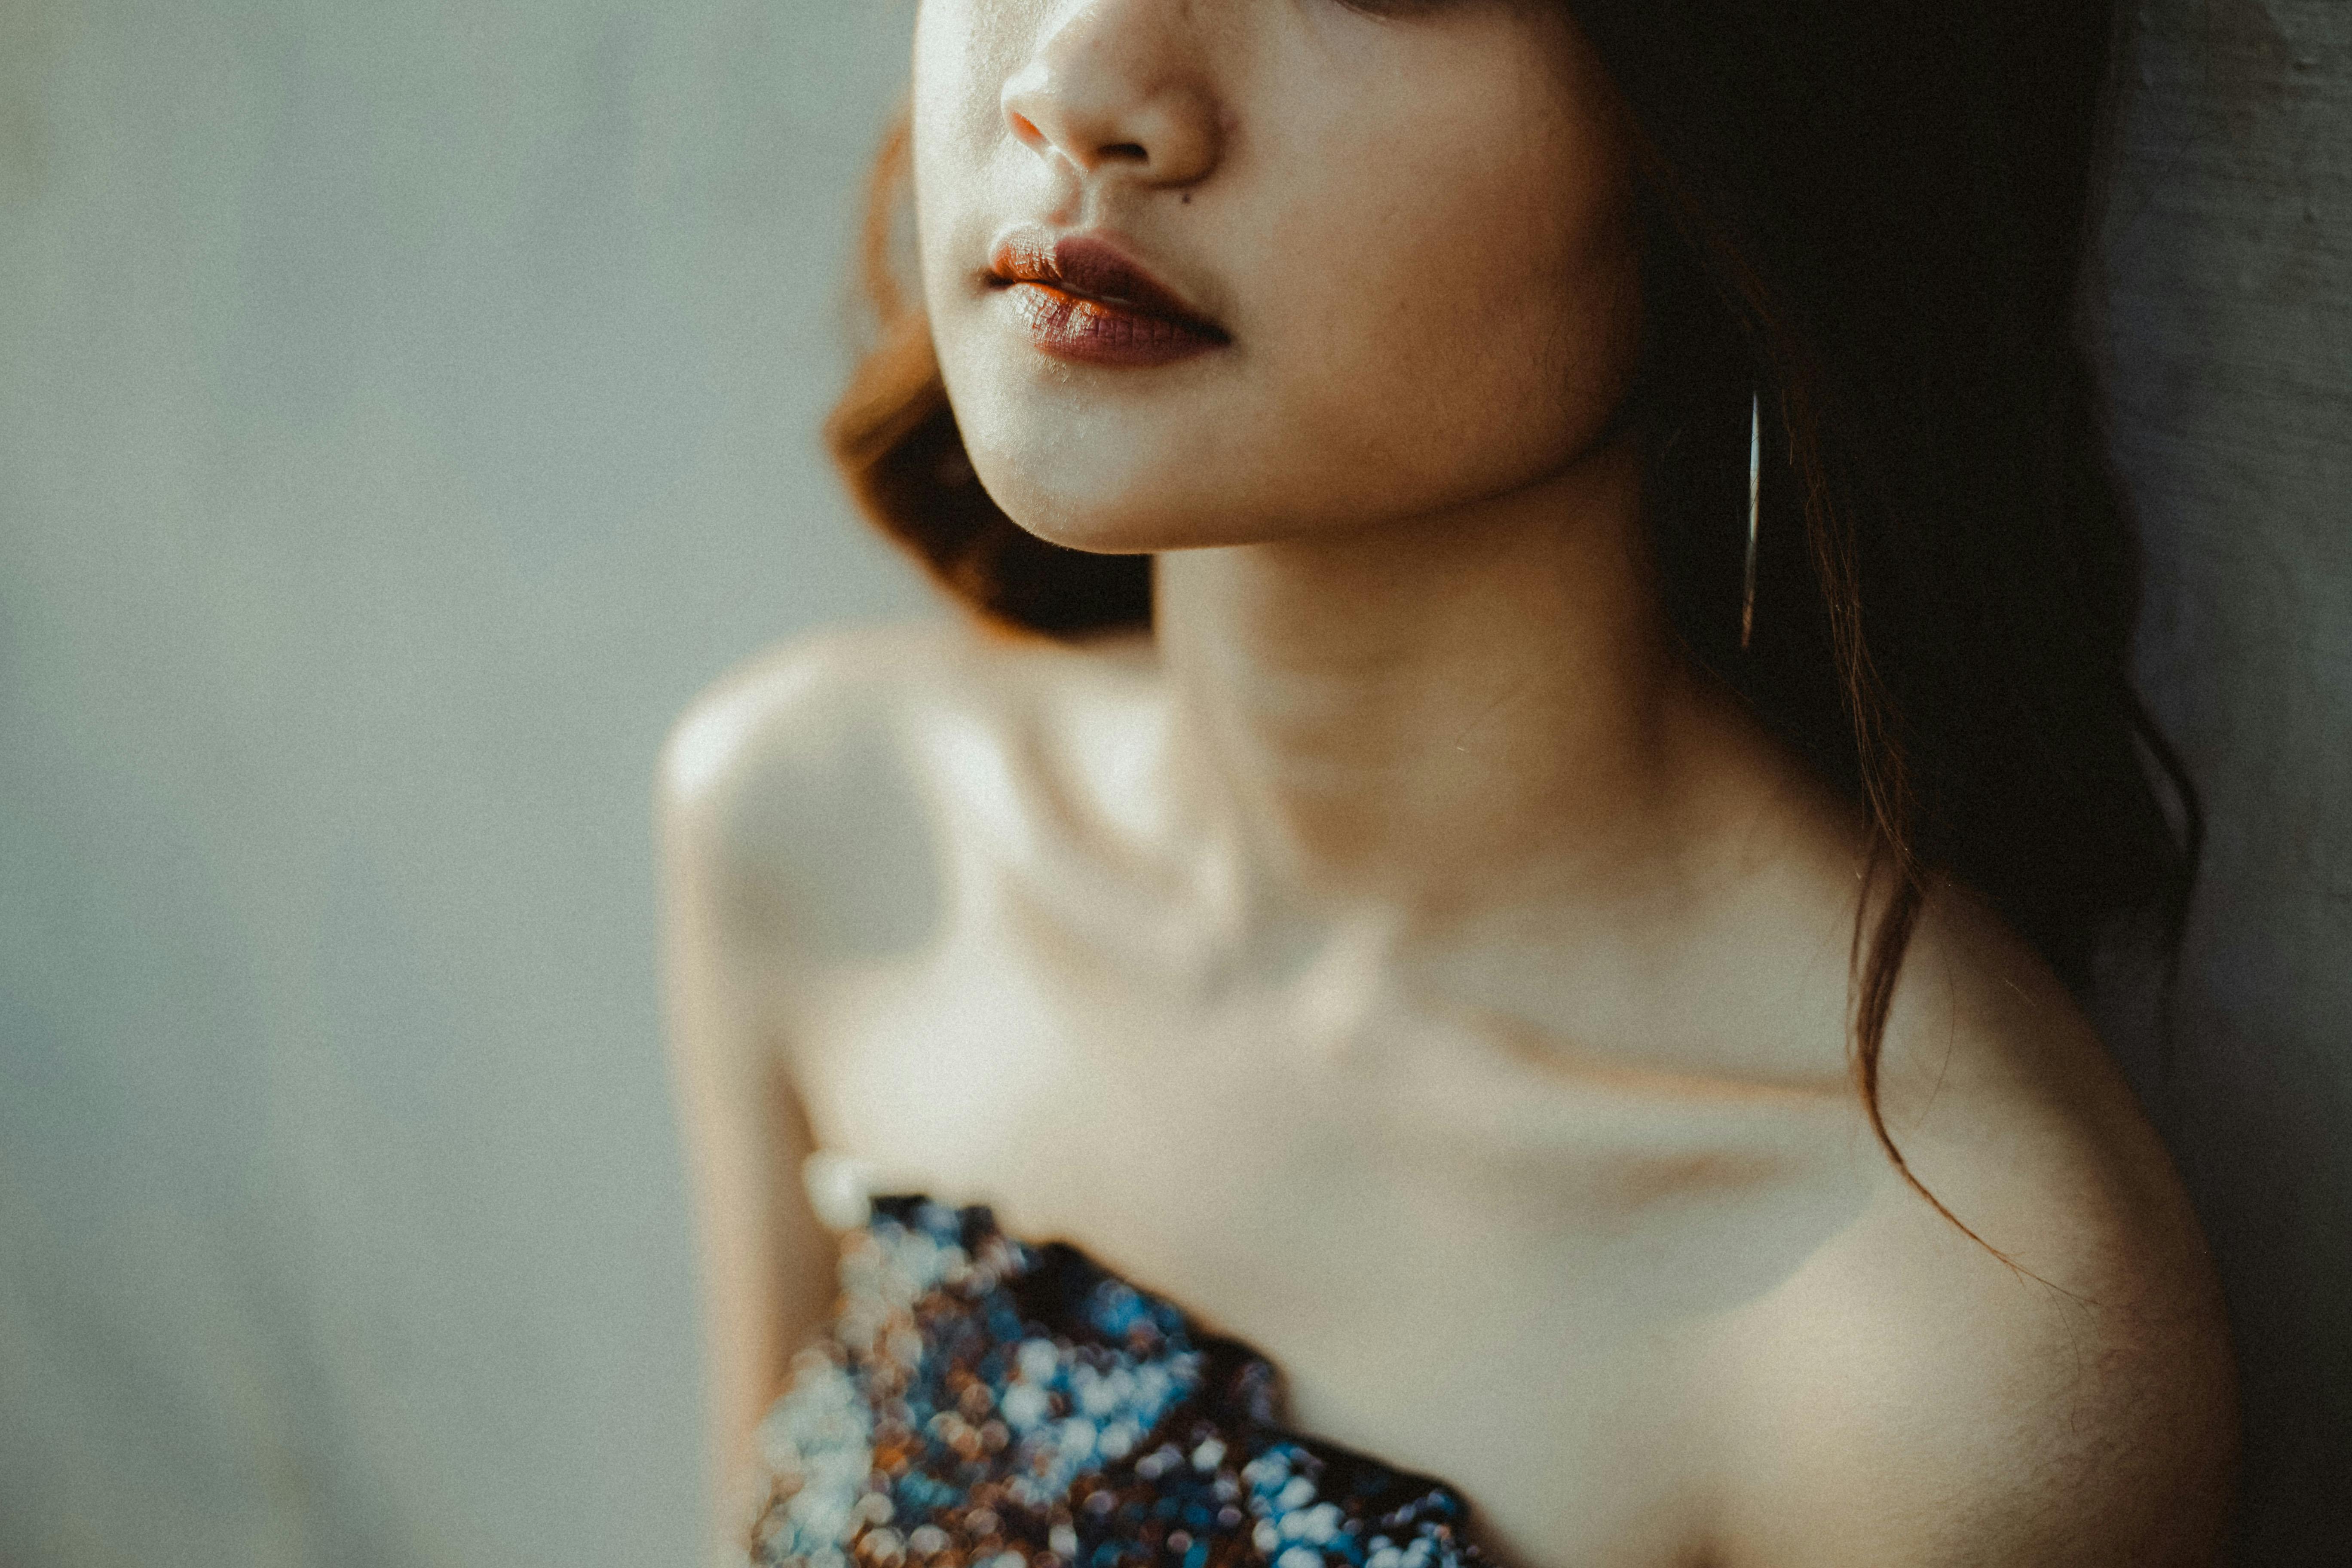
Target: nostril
point(1131, 152)
point(1026, 129)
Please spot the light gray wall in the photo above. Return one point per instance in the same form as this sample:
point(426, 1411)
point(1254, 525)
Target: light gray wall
point(405, 407)
point(2226, 321)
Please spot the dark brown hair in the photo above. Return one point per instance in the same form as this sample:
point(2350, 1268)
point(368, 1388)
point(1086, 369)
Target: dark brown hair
point(1871, 212)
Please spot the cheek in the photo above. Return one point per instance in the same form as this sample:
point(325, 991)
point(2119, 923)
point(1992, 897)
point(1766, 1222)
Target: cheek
point(1479, 320)
point(961, 55)
point(950, 58)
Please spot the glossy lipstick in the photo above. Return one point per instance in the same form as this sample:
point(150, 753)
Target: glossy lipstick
point(1085, 300)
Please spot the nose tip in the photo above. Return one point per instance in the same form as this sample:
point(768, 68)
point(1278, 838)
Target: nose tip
point(1108, 100)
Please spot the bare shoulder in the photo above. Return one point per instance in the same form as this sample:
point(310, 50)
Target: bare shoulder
point(815, 792)
point(805, 701)
point(1906, 1397)
point(788, 796)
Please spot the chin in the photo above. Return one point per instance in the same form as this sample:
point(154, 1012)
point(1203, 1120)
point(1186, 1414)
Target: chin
point(1100, 527)
point(1113, 510)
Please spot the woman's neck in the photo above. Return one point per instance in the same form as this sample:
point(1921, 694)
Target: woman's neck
point(1431, 716)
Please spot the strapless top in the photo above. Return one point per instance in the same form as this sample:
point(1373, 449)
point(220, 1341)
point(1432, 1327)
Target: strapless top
point(979, 1401)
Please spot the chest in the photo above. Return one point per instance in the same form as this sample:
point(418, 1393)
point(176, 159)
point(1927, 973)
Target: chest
point(1451, 1272)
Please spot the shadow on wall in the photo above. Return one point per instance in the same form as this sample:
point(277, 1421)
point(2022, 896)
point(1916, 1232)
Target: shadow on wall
point(2226, 332)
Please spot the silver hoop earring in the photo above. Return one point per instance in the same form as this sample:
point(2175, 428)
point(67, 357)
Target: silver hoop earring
point(1755, 493)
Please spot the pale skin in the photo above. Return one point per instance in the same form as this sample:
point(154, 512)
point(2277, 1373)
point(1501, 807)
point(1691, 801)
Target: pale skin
point(1401, 957)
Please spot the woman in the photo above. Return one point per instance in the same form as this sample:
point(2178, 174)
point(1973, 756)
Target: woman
point(1548, 717)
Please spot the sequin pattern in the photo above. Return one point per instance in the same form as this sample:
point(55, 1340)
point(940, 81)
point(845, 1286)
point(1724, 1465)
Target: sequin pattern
point(982, 1403)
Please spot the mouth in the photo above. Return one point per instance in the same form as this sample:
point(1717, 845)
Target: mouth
point(1083, 300)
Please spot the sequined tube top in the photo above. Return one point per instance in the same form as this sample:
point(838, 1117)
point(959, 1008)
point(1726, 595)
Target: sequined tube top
point(983, 1403)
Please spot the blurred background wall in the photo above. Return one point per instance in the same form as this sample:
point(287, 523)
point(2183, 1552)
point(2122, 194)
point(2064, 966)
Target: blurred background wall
point(405, 406)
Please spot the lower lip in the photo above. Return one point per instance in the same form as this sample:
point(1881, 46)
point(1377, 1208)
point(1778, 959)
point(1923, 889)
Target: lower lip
point(1088, 331)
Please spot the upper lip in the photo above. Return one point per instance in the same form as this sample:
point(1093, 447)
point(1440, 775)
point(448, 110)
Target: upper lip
point(1092, 268)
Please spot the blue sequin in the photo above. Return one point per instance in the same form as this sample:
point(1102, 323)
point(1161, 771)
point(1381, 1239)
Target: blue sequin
point(984, 1403)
